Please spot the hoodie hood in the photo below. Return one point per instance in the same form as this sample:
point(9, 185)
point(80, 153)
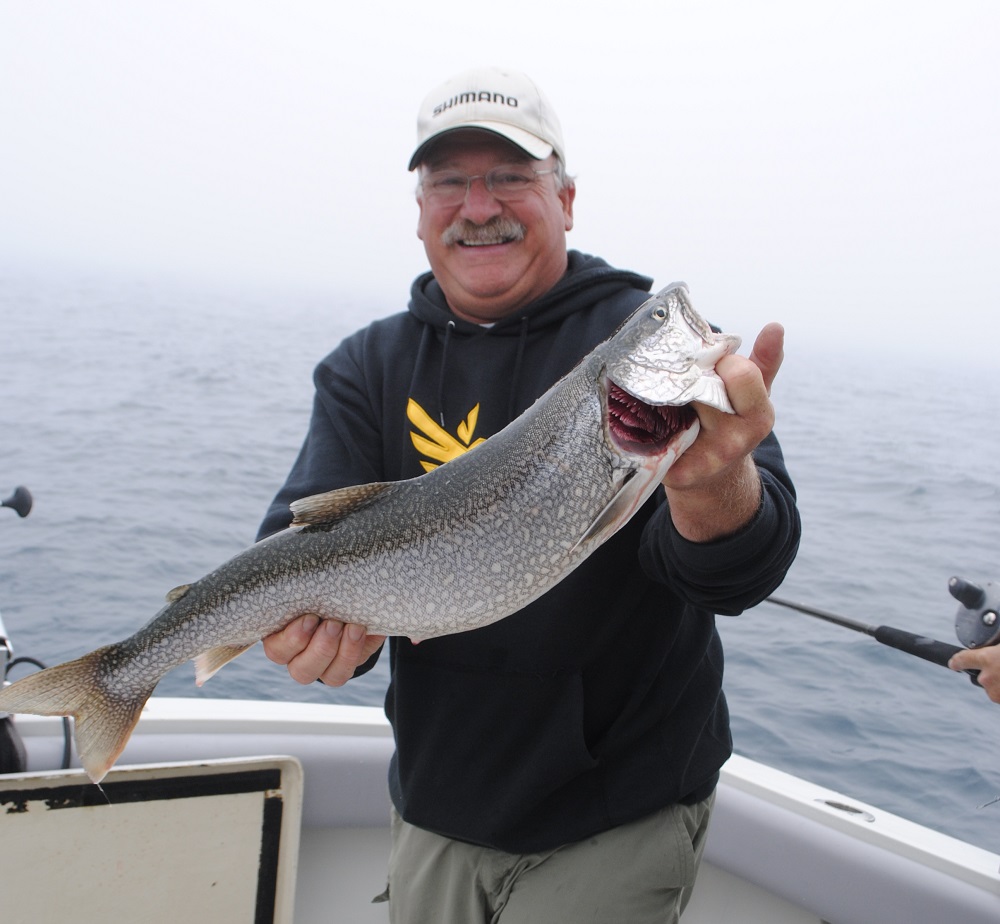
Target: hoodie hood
point(587, 281)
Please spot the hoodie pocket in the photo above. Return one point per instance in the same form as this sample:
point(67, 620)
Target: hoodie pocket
point(483, 754)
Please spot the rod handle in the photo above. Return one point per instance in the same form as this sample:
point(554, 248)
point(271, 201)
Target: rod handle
point(927, 648)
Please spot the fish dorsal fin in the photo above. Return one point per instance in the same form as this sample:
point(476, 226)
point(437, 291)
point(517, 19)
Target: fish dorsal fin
point(174, 595)
point(331, 507)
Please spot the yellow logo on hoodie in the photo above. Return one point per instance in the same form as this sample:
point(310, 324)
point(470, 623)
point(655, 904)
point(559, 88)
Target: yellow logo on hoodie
point(436, 443)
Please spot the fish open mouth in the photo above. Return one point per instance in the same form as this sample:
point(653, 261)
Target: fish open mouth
point(644, 429)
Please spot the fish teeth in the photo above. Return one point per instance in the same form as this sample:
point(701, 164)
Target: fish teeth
point(638, 421)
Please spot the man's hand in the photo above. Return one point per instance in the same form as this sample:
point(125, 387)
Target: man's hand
point(714, 488)
point(321, 649)
point(987, 662)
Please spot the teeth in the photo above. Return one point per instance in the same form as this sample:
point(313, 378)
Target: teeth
point(495, 231)
point(637, 421)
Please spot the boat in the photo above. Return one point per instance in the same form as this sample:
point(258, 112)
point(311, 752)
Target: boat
point(780, 850)
point(278, 812)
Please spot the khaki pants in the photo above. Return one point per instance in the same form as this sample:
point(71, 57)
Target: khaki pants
point(639, 873)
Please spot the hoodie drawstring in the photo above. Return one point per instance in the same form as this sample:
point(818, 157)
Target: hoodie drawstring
point(449, 328)
point(522, 340)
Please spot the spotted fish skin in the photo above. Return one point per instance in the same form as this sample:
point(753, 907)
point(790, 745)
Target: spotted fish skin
point(460, 547)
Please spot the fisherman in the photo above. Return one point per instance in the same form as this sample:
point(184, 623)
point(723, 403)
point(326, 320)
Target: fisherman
point(559, 765)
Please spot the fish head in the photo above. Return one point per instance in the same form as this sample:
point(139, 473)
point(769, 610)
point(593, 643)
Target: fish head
point(660, 361)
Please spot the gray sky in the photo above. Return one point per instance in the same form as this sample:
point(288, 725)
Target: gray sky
point(832, 165)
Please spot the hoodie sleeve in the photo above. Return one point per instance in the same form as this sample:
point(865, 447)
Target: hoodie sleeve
point(731, 574)
point(343, 445)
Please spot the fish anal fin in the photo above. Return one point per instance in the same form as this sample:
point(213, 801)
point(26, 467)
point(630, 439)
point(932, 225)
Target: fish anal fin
point(210, 662)
point(331, 507)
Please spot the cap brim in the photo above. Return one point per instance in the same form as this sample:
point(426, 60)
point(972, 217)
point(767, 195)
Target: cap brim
point(531, 144)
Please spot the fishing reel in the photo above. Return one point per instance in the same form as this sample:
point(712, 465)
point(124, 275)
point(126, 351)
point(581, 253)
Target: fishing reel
point(12, 754)
point(977, 622)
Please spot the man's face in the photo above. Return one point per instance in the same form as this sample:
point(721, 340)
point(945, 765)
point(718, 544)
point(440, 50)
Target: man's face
point(484, 282)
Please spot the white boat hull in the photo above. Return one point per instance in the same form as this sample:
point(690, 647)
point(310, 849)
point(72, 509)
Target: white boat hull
point(780, 850)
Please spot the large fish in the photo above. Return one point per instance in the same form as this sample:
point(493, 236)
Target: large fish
point(457, 548)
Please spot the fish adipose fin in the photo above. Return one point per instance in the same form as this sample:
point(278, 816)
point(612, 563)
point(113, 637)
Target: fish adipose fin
point(210, 662)
point(104, 721)
point(174, 595)
point(329, 508)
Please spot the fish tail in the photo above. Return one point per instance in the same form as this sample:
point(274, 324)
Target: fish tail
point(105, 717)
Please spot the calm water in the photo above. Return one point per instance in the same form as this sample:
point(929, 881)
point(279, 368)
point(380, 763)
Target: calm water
point(153, 423)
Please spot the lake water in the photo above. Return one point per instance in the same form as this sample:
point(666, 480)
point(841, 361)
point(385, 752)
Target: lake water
point(153, 423)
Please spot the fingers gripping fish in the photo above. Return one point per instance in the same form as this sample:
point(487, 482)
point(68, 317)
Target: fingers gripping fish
point(455, 549)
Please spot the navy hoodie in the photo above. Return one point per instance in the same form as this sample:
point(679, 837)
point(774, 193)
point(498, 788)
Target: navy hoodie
point(601, 701)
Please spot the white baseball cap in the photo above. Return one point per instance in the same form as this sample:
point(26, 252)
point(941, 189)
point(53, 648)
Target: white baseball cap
point(503, 101)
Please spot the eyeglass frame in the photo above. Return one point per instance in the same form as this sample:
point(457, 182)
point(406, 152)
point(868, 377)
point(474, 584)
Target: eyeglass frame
point(485, 177)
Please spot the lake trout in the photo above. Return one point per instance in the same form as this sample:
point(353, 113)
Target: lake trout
point(460, 547)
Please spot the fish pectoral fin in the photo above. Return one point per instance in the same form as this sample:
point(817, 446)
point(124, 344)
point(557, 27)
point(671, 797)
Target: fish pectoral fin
point(210, 662)
point(618, 511)
point(636, 489)
point(327, 509)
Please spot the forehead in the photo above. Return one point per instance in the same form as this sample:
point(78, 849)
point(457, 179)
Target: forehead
point(472, 144)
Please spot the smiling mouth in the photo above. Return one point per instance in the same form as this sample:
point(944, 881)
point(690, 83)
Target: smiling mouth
point(641, 428)
point(499, 230)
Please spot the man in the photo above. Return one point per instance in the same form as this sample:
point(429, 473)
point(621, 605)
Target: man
point(560, 764)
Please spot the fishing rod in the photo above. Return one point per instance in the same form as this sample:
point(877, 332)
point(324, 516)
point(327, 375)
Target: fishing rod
point(977, 624)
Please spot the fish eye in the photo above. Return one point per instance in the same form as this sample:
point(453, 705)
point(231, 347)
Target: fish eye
point(660, 313)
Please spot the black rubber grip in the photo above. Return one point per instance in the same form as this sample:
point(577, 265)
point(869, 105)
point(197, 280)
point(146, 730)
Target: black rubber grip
point(927, 648)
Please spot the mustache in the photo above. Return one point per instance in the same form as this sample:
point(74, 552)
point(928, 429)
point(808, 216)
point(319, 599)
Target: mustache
point(497, 230)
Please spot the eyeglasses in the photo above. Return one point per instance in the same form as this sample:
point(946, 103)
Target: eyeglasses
point(506, 184)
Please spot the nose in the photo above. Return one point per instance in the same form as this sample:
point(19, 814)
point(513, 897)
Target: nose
point(480, 204)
